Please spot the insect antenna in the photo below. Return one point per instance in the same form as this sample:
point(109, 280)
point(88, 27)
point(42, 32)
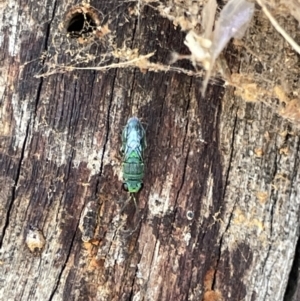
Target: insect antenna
point(128, 233)
point(133, 197)
point(125, 204)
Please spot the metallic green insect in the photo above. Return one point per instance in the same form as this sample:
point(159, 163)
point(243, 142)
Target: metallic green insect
point(133, 146)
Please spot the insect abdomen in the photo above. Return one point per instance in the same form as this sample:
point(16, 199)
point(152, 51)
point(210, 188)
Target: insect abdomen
point(133, 170)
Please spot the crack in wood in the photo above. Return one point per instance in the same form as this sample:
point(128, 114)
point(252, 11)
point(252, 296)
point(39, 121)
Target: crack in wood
point(186, 111)
point(14, 188)
point(231, 153)
point(233, 208)
point(98, 189)
point(263, 267)
point(64, 265)
point(292, 291)
point(182, 178)
point(273, 195)
point(30, 120)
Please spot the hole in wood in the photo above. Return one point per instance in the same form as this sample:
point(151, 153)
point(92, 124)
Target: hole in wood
point(81, 21)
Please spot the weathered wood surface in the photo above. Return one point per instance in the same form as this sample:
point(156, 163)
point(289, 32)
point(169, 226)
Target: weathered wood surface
point(218, 218)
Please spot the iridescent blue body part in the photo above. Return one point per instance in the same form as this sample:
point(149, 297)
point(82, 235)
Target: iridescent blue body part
point(133, 146)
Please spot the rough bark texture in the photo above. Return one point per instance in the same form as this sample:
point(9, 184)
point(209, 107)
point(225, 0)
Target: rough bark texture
point(218, 218)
